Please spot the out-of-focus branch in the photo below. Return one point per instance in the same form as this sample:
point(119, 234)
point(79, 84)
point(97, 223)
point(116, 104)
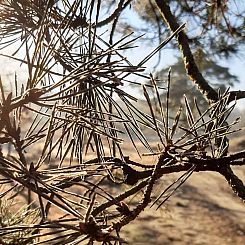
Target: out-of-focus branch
point(121, 6)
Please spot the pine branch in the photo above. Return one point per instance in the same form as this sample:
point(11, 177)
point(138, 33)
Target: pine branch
point(203, 86)
point(190, 64)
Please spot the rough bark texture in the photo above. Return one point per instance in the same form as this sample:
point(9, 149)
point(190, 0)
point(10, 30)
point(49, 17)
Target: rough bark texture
point(190, 64)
